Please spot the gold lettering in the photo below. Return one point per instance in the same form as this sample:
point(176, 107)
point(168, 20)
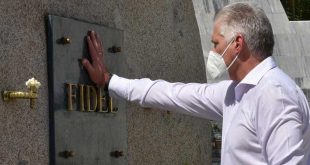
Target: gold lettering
point(95, 99)
point(81, 87)
point(101, 100)
point(91, 95)
point(71, 95)
point(111, 105)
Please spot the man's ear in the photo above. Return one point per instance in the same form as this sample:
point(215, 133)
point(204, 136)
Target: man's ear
point(239, 43)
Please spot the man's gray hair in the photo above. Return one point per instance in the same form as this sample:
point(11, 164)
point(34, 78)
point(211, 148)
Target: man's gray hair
point(251, 22)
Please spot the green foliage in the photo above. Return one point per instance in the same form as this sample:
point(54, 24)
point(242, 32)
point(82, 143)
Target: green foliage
point(297, 10)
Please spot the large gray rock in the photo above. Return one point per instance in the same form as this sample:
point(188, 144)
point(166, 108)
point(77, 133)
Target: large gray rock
point(161, 40)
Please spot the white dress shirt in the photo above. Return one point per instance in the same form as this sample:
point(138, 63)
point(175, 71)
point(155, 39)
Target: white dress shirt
point(265, 116)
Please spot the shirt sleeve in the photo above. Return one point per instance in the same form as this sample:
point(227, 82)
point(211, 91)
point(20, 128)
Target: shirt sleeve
point(194, 99)
point(281, 122)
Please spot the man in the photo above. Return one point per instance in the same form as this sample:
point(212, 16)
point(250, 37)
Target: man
point(265, 115)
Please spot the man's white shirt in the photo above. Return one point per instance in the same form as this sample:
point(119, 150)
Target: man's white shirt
point(265, 116)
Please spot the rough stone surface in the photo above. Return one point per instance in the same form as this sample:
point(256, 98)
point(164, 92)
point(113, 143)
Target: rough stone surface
point(161, 41)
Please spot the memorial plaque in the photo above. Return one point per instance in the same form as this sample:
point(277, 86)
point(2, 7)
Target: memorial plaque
point(86, 125)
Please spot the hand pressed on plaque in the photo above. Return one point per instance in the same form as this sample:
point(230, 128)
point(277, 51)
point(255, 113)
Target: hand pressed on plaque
point(97, 70)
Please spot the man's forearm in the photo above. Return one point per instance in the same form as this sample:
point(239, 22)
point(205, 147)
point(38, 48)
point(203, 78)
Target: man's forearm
point(179, 97)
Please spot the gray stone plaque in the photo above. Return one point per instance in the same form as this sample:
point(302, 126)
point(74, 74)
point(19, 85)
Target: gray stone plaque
point(80, 131)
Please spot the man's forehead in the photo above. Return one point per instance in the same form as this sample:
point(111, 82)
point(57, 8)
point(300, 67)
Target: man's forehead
point(217, 27)
point(216, 30)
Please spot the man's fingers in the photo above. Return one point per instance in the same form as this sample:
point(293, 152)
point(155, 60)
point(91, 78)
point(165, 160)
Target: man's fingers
point(92, 50)
point(99, 43)
point(97, 69)
point(94, 40)
point(90, 69)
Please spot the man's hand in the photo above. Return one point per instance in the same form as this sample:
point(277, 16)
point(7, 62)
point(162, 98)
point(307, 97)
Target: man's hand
point(97, 71)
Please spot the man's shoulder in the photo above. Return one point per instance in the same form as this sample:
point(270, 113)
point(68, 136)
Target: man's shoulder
point(277, 81)
point(223, 88)
point(223, 84)
point(277, 77)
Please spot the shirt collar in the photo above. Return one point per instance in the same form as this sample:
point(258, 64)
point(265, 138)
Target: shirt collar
point(254, 76)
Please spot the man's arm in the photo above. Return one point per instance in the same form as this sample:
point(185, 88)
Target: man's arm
point(200, 100)
point(281, 126)
point(193, 99)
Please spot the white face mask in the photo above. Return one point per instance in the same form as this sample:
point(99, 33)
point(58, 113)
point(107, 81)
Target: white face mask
point(216, 65)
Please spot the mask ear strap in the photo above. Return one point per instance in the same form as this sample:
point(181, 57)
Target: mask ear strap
point(228, 46)
point(232, 62)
